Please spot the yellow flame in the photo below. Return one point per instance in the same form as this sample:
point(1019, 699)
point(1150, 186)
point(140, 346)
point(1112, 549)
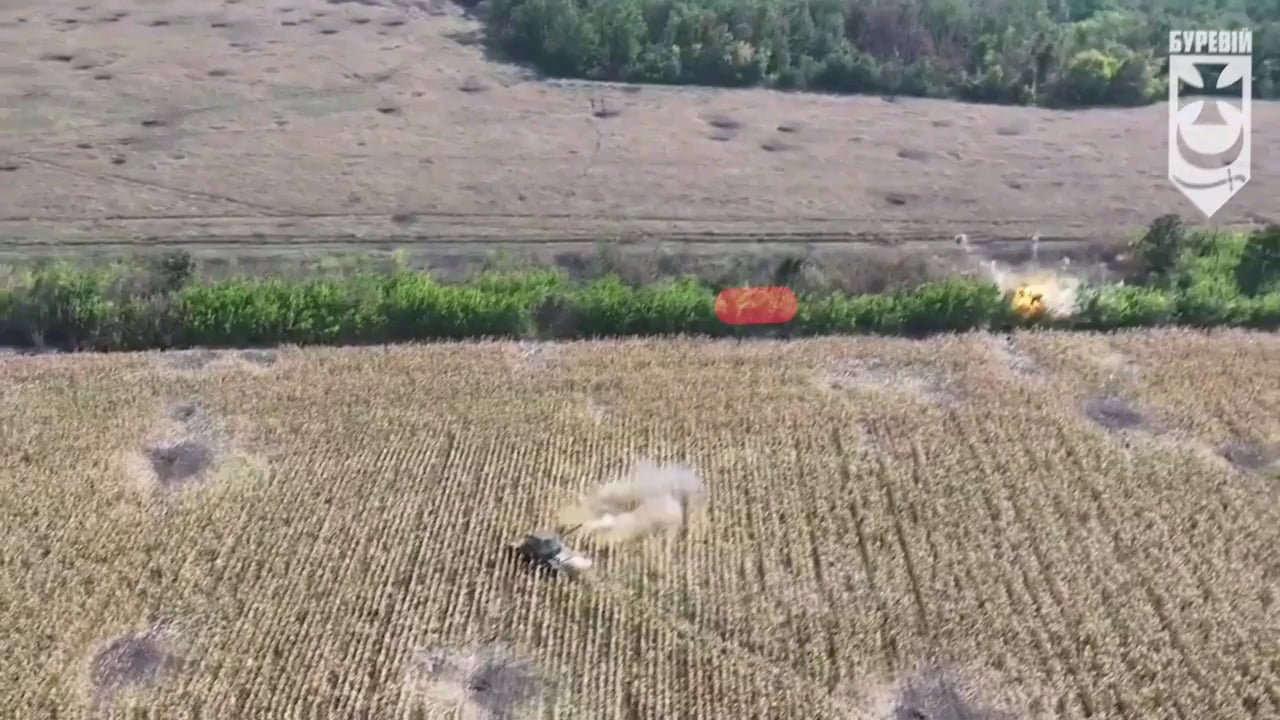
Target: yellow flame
point(1028, 301)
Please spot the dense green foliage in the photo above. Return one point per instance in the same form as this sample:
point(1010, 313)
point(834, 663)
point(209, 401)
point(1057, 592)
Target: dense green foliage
point(1188, 277)
point(1050, 52)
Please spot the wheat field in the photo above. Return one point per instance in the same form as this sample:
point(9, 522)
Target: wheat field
point(1038, 526)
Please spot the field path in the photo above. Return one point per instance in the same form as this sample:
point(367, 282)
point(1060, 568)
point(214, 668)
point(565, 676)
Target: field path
point(219, 124)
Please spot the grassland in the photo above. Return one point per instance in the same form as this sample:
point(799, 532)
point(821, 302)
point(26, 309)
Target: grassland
point(1043, 526)
point(270, 132)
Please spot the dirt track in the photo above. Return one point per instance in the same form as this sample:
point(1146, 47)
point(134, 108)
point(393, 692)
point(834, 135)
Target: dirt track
point(231, 127)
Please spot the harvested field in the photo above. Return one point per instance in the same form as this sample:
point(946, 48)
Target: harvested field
point(994, 551)
point(265, 129)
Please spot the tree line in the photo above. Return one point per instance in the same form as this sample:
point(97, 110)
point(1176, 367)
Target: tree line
point(1056, 53)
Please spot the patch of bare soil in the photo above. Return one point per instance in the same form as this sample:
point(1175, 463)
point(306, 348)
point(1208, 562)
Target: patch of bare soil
point(131, 660)
point(1251, 457)
point(1114, 414)
point(186, 412)
point(923, 384)
point(268, 115)
point(189, 446)
point(487, 681)
point(180, 463)
point(931, 695)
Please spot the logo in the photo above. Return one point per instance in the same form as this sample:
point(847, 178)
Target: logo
point(1210, 129)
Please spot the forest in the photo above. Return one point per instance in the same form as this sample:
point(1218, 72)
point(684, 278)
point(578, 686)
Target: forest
point(1052, 53)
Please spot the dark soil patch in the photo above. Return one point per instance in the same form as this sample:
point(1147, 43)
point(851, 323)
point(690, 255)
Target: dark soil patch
point(472, 84)
point(604, 110)
point(404, 218)
point(103, 76)
point(388, 110)
point(180, 463)
point(1010, 130)
point(8, 167)
point(788, 128)
point(219, 72)
point(131, 660)
point(262, 358)
point(1249, 456)
point(151, 123)
point(1113, 414)
point(394, 22)
point(723, 122)
point(495, 682)
point(58, 57)
point(942, 123)
point(328, 31)
point(898, 198)
point(118, 160)
point(930, 696)
point(723, 135)
point(159, 23)
point(913, 154)
point(776, 146)
point(184, 412)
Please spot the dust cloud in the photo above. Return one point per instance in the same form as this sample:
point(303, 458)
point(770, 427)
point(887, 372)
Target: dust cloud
point(1058, 289)
point(648, 498)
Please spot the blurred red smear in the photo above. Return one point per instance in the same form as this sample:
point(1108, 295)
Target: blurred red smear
point(756, 305)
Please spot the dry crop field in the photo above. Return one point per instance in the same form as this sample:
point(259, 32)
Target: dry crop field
point(1043, 526)
point(272, 128)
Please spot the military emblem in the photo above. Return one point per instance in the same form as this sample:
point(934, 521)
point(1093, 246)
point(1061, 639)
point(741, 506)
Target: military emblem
point(1210, 130)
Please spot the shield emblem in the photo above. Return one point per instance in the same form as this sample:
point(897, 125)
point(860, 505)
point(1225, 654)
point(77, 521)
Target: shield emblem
point(1210, 138)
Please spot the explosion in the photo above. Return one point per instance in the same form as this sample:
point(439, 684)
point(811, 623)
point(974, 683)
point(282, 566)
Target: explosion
point(648, 498)
point(1036, 292)
point(1028, 302)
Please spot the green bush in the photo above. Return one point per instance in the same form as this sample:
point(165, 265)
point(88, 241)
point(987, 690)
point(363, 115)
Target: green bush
point(1262, 311)
point(1087, 79)
point(1124, 306)
point(1258, 269)
point(1158, 249)
point(130, 306)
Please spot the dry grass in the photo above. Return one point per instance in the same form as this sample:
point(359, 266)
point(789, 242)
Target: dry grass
point(313, 124)
point(992, 551)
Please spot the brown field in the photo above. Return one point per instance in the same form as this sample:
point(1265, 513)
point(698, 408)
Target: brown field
point(1042, 526)
point(277, 129)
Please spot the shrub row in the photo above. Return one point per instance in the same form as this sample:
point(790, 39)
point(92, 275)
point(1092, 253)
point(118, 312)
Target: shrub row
point(110, 309)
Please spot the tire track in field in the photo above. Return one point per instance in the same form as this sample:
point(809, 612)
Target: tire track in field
point(1121, 550)
point(945, 466)
point(1045, 463)
point(393, 601)
point(880, 435)
point(1059, 518)
point(961, 428)
point(858, 516)
point(835, 675)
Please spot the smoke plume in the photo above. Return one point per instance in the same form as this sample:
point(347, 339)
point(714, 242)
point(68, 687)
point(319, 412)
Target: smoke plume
point(648, 498)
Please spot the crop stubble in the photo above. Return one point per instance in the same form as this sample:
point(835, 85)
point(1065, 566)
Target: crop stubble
point(864, 552)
